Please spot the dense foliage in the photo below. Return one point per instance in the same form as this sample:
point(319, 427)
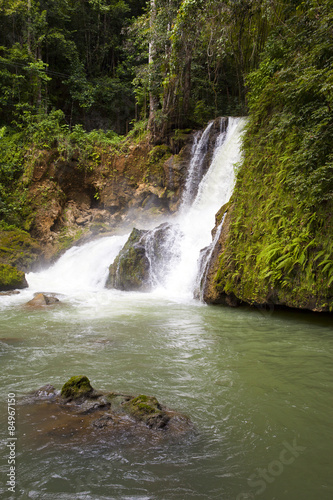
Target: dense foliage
point(106, 62)
point(68, 55)
point(280, 241)
point(200, 53)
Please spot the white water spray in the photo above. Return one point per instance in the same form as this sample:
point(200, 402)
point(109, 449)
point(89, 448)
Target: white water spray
point(194, 175)
point(80, 269)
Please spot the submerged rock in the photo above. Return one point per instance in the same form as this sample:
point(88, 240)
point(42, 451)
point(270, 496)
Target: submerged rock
point(83, 412)
point(48, 391)
point(40, 299)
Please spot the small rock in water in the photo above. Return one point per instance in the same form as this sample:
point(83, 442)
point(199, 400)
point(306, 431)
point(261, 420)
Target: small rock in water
point(48, 391)
point(148, 410)
point(40, 299)
point(77, 387)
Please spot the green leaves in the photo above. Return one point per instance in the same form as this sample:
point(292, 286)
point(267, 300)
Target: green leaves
point(54, 54)
point(282, 221)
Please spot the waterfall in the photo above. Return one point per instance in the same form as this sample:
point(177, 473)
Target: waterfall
point(174, 267)
point(80, 268)
point(194, 176)
point(197, 221)
point(162, 251)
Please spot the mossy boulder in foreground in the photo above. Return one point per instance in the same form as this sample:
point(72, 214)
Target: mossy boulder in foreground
point(77, 387)
point(79, 411)
point(11, 278)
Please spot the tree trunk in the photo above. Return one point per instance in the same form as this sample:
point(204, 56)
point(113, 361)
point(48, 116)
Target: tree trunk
point(153, 101)
point(187, 83)
point(29, 28)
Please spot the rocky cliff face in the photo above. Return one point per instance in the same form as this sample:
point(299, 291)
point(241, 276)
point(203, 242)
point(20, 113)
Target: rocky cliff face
point(69, 203)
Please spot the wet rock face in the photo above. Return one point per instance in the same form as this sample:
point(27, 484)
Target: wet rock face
point(145, 259)
point(130, 270)
point(210, 292)
point(69, 202)
point(79, 411)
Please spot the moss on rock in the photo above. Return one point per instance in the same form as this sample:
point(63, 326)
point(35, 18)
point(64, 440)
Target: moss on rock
point(11, 278)
point(148, 410)
point(77, 387)
point(17, 248)
point(130, 270)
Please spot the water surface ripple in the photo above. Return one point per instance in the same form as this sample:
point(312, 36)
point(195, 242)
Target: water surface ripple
point(256, 384)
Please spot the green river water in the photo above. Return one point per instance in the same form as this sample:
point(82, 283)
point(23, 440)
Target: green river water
point(257, 385)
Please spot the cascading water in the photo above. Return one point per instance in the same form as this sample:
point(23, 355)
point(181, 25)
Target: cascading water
point(197, 220)
point(194, 176)
point(80, 268)
point(162, 251)
point(174, 269)
point(203, 262)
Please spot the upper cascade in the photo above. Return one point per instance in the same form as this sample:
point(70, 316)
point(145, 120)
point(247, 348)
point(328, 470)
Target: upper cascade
point(196, 221)
point(204, 147)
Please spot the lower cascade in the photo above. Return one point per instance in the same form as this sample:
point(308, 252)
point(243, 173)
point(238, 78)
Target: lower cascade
point(163, 260)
